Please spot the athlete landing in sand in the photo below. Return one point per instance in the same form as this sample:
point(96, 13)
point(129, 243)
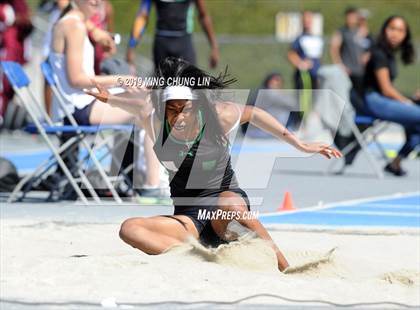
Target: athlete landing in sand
point(189, 130)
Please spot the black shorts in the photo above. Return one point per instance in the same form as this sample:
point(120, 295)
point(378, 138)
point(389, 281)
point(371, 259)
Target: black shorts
point(180, 47)
point(206, 233)
point(81, 116)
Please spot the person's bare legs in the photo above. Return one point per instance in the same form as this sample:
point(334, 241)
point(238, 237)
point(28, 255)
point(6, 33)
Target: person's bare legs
point(152, 163)
point(103, 113)
point(47, 98)
point(156, 234)
point(230, 201)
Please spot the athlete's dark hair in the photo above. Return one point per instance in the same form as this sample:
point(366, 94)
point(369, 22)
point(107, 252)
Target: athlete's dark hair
point(172, 67)
point(406, 47)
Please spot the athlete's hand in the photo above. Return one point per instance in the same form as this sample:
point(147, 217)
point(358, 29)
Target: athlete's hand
point(214, 58)
point(322, 149)
point(102, 94)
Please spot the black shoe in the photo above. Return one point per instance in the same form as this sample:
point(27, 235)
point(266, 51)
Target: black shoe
point(50, 183)
point(399, 172)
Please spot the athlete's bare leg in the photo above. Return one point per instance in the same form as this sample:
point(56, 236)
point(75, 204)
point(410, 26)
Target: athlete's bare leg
point(156, 234)
point(230, 201)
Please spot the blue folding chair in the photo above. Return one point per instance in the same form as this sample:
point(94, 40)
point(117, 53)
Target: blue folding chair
point(341, 105)
point(363, 139)
point(20, 83)
point(92, 129)
point(376, 127)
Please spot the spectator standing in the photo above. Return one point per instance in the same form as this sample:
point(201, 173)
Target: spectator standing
point(174, 27)
point(348, 48)
point(103, 20)
point(305, 53)
point(16, 26)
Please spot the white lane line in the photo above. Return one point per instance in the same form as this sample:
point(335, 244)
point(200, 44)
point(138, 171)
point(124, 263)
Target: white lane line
point(396, 214)
point(391, 206)
point(347, 203)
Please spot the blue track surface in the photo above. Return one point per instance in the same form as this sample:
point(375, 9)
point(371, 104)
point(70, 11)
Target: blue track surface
point(394, 212)
point(29, 161)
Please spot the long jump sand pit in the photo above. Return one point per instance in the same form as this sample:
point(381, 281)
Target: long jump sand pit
point(67, 262)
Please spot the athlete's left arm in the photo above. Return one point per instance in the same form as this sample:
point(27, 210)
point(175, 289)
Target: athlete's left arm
point(268, 123)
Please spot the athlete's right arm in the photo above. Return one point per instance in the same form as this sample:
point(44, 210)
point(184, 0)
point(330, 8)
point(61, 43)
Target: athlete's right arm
point(139, 27)
point(134, 100)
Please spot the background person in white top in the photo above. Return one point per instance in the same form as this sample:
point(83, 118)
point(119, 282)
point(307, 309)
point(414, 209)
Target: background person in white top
point(72, 59)
point(99, 36)
point(306, 52)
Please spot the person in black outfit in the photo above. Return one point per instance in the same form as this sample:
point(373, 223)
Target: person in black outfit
point(174, 26)
point(382, 99)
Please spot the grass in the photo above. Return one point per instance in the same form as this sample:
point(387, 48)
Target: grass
point(257, 16)
point(250, 63)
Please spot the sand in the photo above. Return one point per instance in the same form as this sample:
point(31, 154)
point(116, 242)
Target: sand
point(59, 262)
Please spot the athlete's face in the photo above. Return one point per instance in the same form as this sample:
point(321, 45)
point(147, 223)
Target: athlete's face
point(180, 114)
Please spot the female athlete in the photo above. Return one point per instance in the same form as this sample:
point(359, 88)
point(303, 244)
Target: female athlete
point(189, 127)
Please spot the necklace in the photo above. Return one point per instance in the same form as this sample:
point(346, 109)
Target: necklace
point(187, 145)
